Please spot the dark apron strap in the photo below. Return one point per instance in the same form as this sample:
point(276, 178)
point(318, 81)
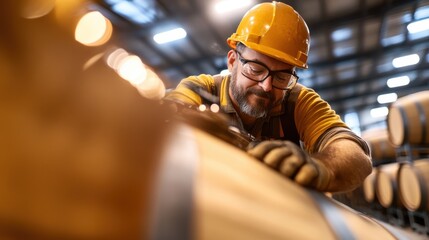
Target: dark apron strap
point(288, 119)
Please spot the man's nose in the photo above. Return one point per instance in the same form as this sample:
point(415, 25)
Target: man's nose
point(267, 84)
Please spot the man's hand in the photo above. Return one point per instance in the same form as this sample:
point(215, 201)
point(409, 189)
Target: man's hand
point(293, 162)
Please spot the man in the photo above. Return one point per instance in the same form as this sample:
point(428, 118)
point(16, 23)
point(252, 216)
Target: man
point(263, 98)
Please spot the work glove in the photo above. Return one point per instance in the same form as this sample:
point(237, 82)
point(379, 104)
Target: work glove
point(293, 162)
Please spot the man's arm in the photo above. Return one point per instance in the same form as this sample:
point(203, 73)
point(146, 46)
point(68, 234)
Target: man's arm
point(192, 90)
point(347, 164)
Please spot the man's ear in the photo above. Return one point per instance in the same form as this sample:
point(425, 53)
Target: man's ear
point(231, 58)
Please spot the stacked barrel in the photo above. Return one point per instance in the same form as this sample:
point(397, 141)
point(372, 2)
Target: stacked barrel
point(398, 188)
point(380, 187)
point(408, 125)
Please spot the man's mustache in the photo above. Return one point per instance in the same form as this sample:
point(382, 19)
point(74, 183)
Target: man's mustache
point(261, 93)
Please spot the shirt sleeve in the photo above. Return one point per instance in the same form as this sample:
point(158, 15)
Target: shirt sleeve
point(333, 134)
point(190, 90)
point(313, 117)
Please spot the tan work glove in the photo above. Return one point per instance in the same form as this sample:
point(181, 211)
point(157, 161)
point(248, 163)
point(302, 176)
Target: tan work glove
point(293, 162)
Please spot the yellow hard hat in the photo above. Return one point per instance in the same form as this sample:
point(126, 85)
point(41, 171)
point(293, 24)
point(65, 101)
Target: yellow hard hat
point(276, 30)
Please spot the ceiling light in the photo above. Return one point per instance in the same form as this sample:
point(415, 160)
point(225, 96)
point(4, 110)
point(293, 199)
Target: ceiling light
point(352, 119)
point(340, 51)
point(418, 26)
point(132, 69)
point(398, 81)
point(229, 5)
point(379, 112)
point(152, 87)
point(341, 34)
point(169, 36)
point(116, 57)
point(422, 11)
point(93, 29)
point(404, 61)
point(387, 98)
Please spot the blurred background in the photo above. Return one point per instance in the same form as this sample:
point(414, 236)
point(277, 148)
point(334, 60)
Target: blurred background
point(364, 54)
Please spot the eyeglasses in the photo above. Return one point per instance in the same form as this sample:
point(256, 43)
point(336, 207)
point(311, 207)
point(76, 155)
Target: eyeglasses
point(258, 72)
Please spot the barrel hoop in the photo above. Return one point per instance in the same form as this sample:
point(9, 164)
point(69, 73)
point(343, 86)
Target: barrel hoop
point(392, 230)
point(333, 216)
point(173, 200)
point(405, 124)
point(423, 121)
point(424, 194)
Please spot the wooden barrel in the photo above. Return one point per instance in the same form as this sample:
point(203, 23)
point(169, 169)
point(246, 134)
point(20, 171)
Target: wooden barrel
point(387, 185)
point(369, 186)
point(408, 120)
point(235, 196)
point(79, 147)
point(382, 150)
point(413, 181)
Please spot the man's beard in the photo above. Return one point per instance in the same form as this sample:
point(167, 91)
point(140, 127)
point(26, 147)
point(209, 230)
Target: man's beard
point(241, 96)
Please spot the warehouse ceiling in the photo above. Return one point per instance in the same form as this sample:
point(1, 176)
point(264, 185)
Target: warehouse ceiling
point(353, 43)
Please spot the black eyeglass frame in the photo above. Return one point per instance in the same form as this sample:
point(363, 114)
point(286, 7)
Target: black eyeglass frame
point(269, 71)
